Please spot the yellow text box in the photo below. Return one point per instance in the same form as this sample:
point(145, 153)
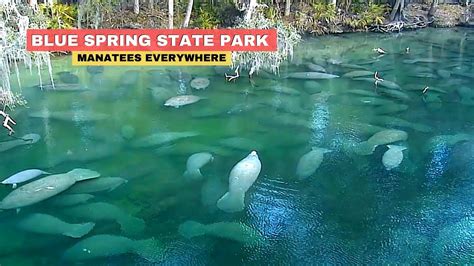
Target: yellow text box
point(151, 58)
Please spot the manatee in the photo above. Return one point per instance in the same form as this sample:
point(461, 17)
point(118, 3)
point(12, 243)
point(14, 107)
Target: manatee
point(358, 128)
point(194, 164)
point(98, 185)
point(373, 101)
point(280, 89)
point(447, 140)
point(380, 138)
point(445, 74)
point(315, 68)
point(239, 143)
point(398, 122)
point(162, 138)
point(382, 83)
point(358, 73)
point(70, 200)
point(353, 66)
point(228, 230)
point(312, 86)
point(23, 176)
point(310, 162)
point(362, 92)
point(397, 94)
point(45, 188)
point(311, 75)
point(182, 100)
point(390, 109)
point(455, 243)
point(129, 78)
point(25, 140)
point(161, 94)
point(101, 211)
point(200, 83)
point(95, 69)
point(420, 60)
point(49, 225)
point(62, 87)
point(241, 178)
point(68, 77)
point(104, 246)
point(71, 116)
point(393, 156)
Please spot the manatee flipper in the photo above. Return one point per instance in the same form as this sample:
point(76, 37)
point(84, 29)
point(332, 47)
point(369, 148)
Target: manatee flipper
point(191, 229)
point(231, 202)
point(80, 230)
point(131, 225)
point(80, 174)
point(193, 175)
point(149, 249)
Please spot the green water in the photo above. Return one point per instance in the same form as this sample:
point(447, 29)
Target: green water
point(351, 210)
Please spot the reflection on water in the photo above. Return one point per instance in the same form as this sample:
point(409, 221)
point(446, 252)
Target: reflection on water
point(351, 209)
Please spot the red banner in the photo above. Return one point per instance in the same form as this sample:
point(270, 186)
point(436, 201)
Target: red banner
point(152, 40)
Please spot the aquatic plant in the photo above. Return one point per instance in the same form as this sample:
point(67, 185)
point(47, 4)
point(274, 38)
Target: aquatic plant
point(15, 19)
point(288, 38)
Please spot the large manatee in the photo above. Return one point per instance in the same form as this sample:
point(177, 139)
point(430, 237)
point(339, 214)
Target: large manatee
point(45, 188)
point(380, 138)
point(309, 162)
point(23, 176)
point(25, 140)
point(46, 224)
point(229, 230)
point(101, 211)
point(103, 246)
point(241, 178)
point(161, 138)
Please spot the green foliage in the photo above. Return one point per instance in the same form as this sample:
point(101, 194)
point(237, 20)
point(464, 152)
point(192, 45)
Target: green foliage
point(227, 14)
point(59, 16)
point(373, 15)
point(206, 18)
point(324, 12)
point(272, 13)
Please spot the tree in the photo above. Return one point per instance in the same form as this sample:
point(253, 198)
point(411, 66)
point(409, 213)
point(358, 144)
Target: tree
point(287, 8)
point(250, 8)
point(397, 11)
point(189, 9)
point(170, 13)
point(333, 2)
point(433, 8)
point(136, 6)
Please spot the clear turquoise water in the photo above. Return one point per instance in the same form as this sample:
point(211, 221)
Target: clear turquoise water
point(351, 210)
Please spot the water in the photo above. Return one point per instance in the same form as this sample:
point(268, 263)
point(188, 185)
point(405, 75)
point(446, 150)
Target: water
point(351, 210)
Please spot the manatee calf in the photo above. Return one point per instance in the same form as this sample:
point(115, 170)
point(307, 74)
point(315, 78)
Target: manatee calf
point(380, 138)
point(101, 211)
point(25, 140)
point(194, 164)
point(241, 178)
point(200, 83)
point(70, 200)
point(309, 162)
point(315, 67)
point(46, 224)
point(103, 246)
point(98, 185)
point(229, 230)
point(393, 156)
point(23, 176)
point(45, 188)
point(181, 100)
point(311, 75)
point(161, 138)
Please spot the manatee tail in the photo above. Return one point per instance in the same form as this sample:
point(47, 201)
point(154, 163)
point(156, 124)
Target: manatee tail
point(231, 202)
point(190, 229)
point(364, 148)
point(149, 249)
point(80, 230)
point(194, 174)
point(80, 174)
point(131, 225)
